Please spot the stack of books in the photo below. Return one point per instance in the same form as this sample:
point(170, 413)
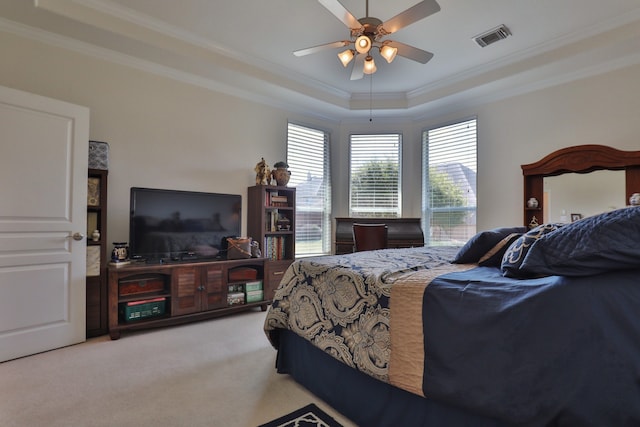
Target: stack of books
point(279, 201)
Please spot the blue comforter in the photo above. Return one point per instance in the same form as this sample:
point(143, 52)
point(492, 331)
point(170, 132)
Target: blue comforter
point(547, 351)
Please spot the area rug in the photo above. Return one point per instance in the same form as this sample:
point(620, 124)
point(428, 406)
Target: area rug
point(308, 416)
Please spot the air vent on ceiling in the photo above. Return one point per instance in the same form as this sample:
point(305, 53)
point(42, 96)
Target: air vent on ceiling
point(492, 36)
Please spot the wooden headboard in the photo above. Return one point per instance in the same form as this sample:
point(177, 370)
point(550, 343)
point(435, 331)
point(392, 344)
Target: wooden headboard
point(578, 159)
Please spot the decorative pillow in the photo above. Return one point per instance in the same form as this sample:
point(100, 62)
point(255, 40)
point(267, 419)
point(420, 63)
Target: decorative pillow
point(483, 242)
point(517, 251)
point(592, 245)
point(493, 258)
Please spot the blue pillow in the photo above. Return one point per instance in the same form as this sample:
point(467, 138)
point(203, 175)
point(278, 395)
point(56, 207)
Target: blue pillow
point(493, 258)
point(592, 245)
point(516, 253)
point(483, 242)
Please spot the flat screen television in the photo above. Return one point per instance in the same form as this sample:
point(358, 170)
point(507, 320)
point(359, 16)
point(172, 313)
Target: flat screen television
point(177, 225)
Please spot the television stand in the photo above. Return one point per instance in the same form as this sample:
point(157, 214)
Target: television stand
point(145, 295)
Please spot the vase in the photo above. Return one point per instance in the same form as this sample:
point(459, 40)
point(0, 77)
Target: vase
point(120, 252)
point(532, 203)
point(281, 175)
point(634, 200)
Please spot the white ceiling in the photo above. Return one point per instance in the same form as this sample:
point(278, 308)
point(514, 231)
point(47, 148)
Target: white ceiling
point(244, 47)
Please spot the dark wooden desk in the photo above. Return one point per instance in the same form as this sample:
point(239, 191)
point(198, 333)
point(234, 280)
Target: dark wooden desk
point(403, 232)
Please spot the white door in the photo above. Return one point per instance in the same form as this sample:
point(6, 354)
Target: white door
point(43, 195)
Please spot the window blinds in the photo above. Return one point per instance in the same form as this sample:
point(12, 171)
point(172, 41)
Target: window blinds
point(375, 175)
point(308, 160)
point(449, 183)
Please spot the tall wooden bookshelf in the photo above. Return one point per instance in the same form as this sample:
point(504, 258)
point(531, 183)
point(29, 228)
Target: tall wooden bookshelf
point(271, 222)
point(97, 257)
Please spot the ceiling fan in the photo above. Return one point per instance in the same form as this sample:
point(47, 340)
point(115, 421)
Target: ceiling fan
point(367, 33)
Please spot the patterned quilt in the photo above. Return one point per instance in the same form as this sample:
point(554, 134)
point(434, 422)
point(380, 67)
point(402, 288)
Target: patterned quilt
point(364, 308)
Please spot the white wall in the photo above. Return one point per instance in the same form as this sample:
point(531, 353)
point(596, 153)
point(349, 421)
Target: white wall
point(599, 110)
point(167, 134)
point(521, 130)
point(161, 133)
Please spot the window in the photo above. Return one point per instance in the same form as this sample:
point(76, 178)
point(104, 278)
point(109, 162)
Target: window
point(308, 160)
point(375, 176)
point(449, 167)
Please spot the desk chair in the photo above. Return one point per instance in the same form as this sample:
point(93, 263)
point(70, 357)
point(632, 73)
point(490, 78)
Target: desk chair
point(367, 237)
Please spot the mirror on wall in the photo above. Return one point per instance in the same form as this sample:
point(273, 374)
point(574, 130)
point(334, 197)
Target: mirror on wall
point(574, 195)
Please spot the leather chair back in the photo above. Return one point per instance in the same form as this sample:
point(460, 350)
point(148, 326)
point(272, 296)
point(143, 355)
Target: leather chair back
point(368, 237)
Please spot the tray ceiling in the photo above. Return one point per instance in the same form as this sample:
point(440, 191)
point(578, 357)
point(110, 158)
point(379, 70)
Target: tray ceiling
point(244, 47)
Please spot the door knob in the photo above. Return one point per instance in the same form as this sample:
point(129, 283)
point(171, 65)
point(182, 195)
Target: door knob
point(78, 236)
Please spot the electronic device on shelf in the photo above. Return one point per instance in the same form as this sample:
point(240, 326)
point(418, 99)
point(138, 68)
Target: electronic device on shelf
point(174, 225)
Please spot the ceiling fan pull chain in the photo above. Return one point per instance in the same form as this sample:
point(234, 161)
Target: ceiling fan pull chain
point(371, 98)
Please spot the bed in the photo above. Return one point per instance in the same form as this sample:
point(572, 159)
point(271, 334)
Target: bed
point(526, 326)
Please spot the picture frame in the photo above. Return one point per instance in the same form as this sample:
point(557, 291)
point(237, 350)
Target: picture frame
point(575, 217)
point(93, 191)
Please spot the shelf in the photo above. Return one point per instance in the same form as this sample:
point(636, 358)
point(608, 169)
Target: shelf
point(97, 257)
point(278, 246)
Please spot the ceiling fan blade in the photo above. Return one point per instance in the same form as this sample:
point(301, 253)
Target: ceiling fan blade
point(338, 10)
point(315, 49)
point(411, 15)
point(358, 67)
point(410, 52)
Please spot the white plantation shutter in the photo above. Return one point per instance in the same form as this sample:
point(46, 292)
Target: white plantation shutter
point(375, 176)
point(449, 167)
point(308, 160)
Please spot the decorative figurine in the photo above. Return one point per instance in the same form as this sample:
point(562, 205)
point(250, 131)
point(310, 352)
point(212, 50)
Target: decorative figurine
point(263, 174)
point(255, 250)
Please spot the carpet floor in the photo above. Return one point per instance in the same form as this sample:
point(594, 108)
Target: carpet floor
point(219, 372)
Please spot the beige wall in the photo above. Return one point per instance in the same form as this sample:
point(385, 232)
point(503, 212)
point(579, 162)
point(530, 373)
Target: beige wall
point(167, 134)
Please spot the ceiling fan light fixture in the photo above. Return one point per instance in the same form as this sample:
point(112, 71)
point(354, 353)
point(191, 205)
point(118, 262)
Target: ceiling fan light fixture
point(369, 65)
point(388, 52)
point(363, 44)
point(368, 32)
point(346, 57)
